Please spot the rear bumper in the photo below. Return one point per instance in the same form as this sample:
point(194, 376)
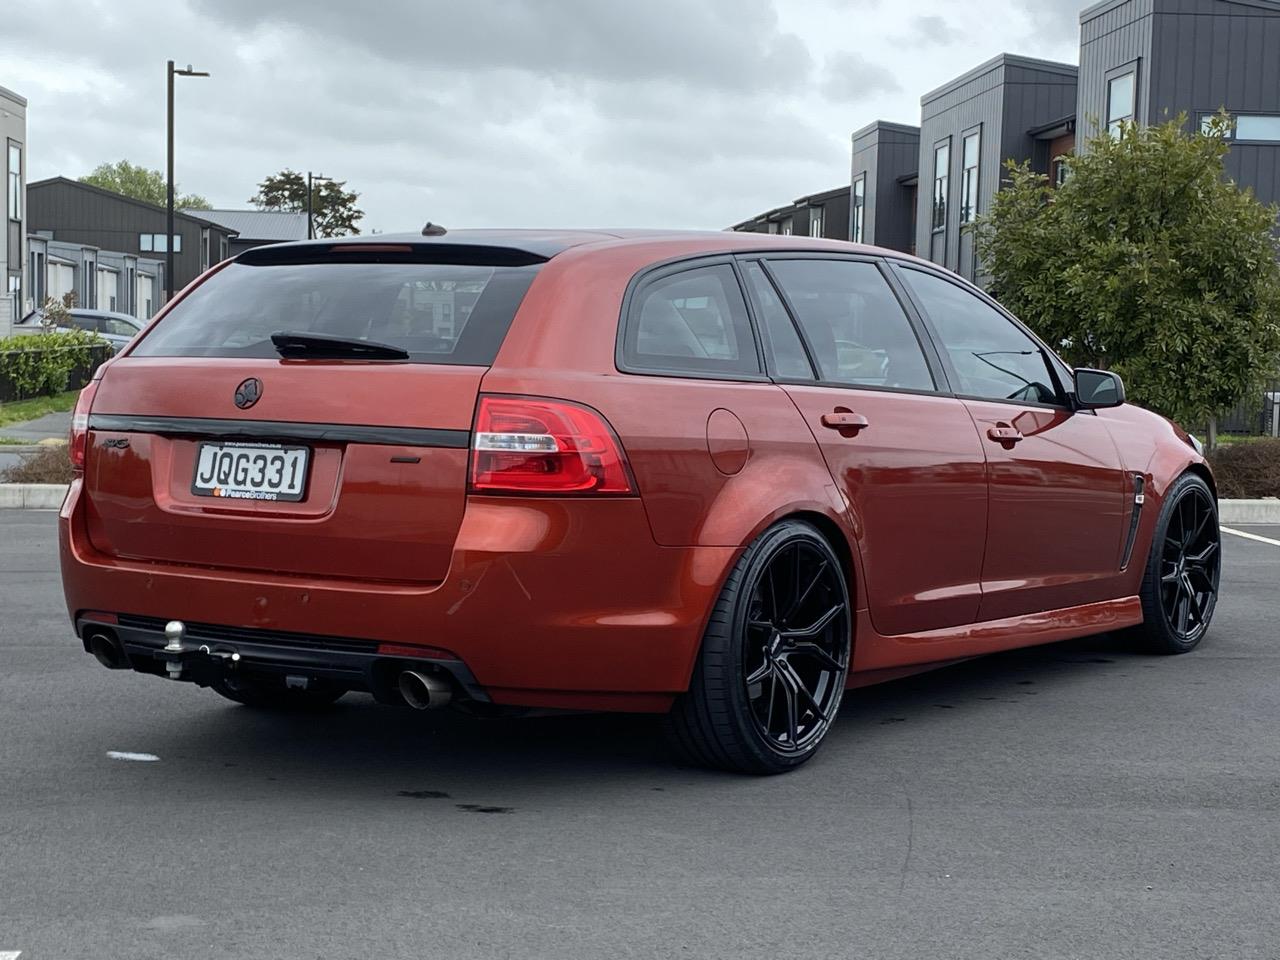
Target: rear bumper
point(211, 653)
point(548, 603)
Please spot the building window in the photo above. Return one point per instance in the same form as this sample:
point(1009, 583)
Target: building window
point(37, 277)
point(154, 243)
point(859, 209)
point(941, 164)
point(15, 181)
point(1121, 93)
point(1060, 172)
point(969, 184)
point(1246, 127)
point(15, 294)
point(815, 222)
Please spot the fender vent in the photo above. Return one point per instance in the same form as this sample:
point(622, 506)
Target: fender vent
point(1139, 498)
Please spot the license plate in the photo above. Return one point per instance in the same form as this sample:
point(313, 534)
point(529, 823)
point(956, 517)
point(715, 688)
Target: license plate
point(250, 471)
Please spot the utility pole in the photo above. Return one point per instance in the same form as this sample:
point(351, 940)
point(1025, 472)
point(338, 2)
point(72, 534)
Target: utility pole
point(168, 243)
point(318, 178)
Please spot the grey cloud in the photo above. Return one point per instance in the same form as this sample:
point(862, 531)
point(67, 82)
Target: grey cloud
point(1054, 20)
point(730, 44)
point(931, 29)
point(848, 75)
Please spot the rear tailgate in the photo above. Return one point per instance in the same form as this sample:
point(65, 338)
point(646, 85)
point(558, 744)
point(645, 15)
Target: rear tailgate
point(388, 465)
point(180, 450)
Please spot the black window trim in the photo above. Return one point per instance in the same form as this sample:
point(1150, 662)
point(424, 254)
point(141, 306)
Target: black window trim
point(942, 385)
point(667, 268)
point(933, 188)
point(1134, 67)
point(756, 309)
point(977, 129)
point(1064, 395)
point(1203, 115)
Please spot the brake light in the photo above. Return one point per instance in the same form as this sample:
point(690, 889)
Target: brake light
point(78, 442)
point(531, 445)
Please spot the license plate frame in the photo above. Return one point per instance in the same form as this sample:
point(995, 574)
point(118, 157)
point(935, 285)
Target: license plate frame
point(295, 465)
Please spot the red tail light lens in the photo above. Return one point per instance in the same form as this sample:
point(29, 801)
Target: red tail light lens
point(530, 445)
point(78, 442)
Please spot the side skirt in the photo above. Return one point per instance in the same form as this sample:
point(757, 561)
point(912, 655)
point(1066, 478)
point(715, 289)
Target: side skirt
point(874, 652)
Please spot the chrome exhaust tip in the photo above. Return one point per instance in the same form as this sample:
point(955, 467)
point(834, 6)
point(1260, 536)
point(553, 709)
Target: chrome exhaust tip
point(422, 691)
point(108, 650)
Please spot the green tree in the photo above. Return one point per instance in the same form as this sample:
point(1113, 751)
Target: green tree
point(141, 184)
point(1146, 261)
point(334, 210)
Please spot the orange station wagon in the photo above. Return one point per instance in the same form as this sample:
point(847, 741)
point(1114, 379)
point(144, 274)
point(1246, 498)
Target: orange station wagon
point(719, 476)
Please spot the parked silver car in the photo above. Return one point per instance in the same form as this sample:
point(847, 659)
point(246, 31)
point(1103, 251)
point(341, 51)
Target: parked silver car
point(116, 328)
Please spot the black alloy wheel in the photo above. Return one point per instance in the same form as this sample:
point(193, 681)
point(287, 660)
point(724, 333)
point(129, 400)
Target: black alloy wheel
point(771, 673)
point(797, 649)
point(1180, 585)
point(1189, 565)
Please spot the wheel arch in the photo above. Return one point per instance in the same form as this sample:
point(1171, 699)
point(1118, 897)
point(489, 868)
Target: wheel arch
point(1204, 473)
point(832, 532)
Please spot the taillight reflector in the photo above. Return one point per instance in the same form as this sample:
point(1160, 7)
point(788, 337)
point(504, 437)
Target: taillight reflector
point(78, 442)
point(537, 446)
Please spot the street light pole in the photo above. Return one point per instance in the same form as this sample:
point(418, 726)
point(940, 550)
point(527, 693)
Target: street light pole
point(168, 243)
point(319, 178)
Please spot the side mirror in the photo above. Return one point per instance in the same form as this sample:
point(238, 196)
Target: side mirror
point(1098, 388)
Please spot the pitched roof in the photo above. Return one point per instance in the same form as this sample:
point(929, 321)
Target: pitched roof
point(261, 224)
point(123, 198)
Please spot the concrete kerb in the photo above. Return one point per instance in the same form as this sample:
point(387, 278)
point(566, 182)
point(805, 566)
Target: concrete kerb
point(32, 496)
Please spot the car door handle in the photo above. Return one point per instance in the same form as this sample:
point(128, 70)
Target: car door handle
point(1004, 434)
point(846, 421)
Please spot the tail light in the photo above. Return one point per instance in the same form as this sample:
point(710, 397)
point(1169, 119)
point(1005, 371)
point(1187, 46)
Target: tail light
point(531, 445)
point(79, 439)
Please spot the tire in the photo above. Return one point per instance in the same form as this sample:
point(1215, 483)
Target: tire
point(270, 693)
point(1180, 583)
point(798, 652)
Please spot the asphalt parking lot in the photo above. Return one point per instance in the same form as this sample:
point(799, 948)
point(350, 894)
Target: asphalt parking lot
point(1068, 801)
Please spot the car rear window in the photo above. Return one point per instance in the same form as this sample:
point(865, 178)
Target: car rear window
point(446, 313)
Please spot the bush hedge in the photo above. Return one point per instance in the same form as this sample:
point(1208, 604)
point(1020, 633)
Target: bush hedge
point(1248, 470)
point(44, 364)
point(46, 465)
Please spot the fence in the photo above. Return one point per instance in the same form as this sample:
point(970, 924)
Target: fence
point(1257, 415)
point(80, 375)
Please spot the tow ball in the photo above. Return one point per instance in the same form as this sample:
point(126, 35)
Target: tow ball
point(174, 633)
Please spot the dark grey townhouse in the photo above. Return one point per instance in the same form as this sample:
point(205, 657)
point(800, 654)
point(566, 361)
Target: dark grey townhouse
point(1143, 60)
point(885, 180)
point(824, 214)
point(1151, 60)
point(74, 212)
point(968, 129)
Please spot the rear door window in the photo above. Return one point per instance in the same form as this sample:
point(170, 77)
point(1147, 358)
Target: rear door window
point(856, 329)
point(789, 359)
point(117, 328)
point(446, 313)
point(694, 320)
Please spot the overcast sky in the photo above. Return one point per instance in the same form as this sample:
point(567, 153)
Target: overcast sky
point(679, 113)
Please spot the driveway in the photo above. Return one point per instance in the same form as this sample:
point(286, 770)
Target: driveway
point(1074, 800)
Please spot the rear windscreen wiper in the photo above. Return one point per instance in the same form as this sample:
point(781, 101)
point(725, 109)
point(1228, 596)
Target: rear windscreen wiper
point(319, 346)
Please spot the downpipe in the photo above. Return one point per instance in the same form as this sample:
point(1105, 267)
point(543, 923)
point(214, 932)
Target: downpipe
point(422, 691)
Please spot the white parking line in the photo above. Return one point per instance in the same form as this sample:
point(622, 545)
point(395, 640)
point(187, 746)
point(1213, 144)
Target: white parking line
point(123, 755)
point(10, 954)
point(1250, 536)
